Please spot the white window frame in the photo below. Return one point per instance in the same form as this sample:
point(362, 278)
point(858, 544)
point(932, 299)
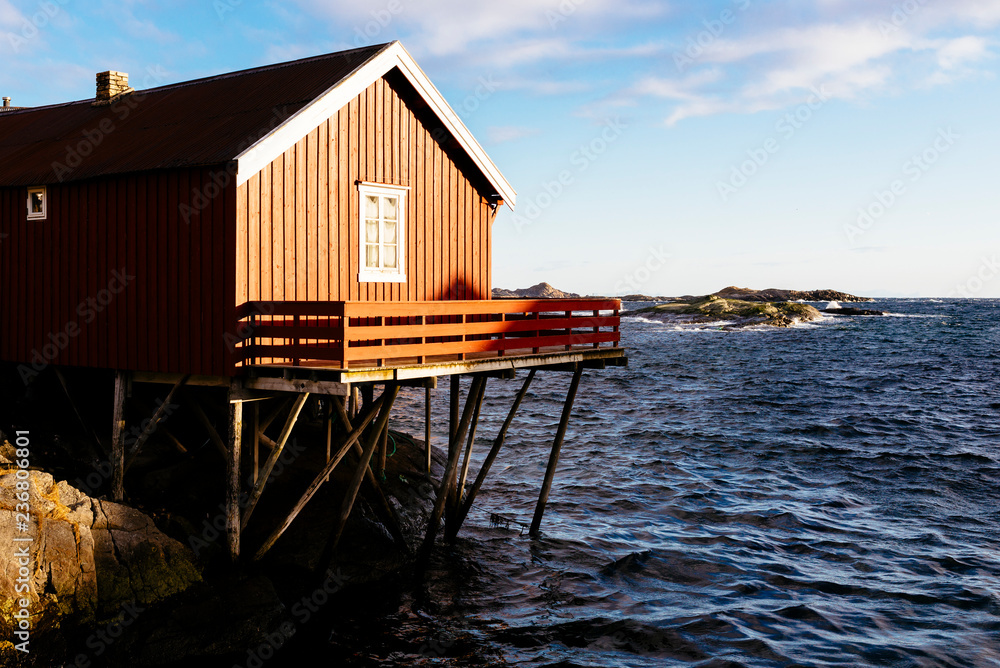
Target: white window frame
point(366, 274)
point(45, 203)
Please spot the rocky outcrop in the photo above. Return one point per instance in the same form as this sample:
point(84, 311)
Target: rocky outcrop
point(734, 313)
point(776, 295)
point(88, 558)
point(540, 291)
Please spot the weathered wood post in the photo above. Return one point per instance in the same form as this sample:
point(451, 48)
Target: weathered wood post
point(427, 426)
point(233, 460)
point(118, 438)
point(550, 472)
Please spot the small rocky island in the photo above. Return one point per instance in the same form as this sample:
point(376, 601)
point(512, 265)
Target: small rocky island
point(736, 308)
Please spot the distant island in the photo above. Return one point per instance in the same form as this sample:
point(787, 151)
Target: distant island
point(732, 307)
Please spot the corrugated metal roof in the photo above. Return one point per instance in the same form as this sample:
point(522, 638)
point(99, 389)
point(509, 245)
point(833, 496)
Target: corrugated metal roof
point(203, 122)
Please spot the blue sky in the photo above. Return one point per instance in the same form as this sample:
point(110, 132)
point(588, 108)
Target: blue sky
point(657, 147)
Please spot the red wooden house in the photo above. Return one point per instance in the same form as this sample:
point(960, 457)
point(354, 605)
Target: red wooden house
point(302, 227)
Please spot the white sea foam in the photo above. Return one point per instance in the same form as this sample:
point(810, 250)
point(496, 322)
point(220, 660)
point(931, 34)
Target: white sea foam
point(833, 305)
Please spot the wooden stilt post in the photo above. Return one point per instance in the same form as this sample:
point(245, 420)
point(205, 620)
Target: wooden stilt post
point(550, 472)
point(460, 488)
point(233, 525)
point(383, 450)
point(350, 439)
point(490, 458)
point(329, 430)
point(427, 426)
point(389, 394)
point(456, 386)
point(256, 442)
point(454, 450)
point(118, 438)
point(154, 422)
point(272, 459)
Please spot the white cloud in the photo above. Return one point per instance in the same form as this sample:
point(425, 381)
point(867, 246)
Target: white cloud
point(502, 134)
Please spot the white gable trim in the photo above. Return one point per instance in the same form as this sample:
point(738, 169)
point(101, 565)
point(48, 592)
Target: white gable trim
point(286, 135)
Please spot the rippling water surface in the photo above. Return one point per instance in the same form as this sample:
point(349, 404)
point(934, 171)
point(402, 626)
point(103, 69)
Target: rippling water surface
point(825, 495)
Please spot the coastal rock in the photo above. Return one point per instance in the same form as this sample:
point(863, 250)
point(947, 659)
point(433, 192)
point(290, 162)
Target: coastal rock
point(89, 558)
point(777, 295)
point(735, 313)
point(540, 291)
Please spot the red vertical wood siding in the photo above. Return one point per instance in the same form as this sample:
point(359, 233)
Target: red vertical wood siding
point(298, 229)
point(167, 231)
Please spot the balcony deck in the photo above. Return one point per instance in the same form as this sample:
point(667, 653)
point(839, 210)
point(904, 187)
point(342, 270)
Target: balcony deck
point(345, 342)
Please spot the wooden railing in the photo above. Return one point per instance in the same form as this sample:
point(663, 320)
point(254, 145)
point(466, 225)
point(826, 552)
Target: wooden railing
point(342, 334)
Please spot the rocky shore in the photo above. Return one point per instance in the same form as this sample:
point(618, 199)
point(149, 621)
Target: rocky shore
point(728, 313)
point(147, 583)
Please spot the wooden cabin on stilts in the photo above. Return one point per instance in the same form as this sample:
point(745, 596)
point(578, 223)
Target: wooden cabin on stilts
point(318, 228)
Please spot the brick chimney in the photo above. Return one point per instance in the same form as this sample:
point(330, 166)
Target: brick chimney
point(6, 102)
point(111, 84)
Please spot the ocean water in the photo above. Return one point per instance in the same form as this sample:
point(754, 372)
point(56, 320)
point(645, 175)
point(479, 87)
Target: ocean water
point(824, 495)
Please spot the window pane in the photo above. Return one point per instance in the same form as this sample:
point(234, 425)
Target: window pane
point(371, 231)
point(371, 256)
point(36, 202)
point(390, 256)
point(390, 232)
point(371, 206)
point(390, 204)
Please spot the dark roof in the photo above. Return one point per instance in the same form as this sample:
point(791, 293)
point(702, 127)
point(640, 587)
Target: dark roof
point(202, 122)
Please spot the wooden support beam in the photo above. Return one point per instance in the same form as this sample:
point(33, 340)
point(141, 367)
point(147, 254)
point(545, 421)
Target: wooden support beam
point(389, 395)
point(273, 415)
point(349, 440)
point(235, 429)
point(383, 450)
point(154, 422)
point(329, 430)
point(454, 450)
point(338, 405)
point(272, 459)
point(460, 489)
point(490, 458)
point(174, 440)
point(427, 427)
point(213, 435)
point(453, 407)
point(118, 438)
point(388, 512)
point(550, 471)
point(256, 442)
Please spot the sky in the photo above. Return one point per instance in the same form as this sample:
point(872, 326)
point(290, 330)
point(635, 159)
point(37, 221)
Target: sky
point(657, 147)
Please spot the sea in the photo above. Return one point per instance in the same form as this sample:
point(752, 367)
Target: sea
point(821, 495)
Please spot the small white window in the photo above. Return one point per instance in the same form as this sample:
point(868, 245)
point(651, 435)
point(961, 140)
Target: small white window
point(383, 233)
point(37, 204)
